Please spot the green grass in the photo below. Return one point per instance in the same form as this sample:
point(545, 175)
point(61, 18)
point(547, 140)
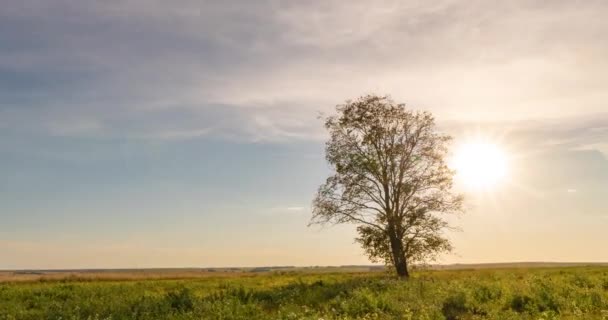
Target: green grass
point(552, 293)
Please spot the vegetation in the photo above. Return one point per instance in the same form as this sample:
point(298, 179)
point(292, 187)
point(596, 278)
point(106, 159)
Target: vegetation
point(391, 179)
point(542, 293)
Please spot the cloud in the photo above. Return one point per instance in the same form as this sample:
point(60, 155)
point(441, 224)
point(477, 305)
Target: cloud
point(294, 208)
point(286, 209)
point(261, 71)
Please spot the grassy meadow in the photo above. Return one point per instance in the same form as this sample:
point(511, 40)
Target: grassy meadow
point(517, 293)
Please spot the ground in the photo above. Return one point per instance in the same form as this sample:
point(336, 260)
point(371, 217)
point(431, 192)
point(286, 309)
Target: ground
point(515, 293)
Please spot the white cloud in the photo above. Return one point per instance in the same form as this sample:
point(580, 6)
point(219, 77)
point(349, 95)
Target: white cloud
point(294, 208)
point(264, 70)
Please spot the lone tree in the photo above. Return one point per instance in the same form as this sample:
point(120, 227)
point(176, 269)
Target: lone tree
point(391, 179)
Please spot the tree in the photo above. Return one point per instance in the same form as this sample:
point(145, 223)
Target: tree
point(390, 177)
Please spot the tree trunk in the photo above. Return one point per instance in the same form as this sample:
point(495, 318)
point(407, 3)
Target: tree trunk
point(398, 256)
point(401, 268)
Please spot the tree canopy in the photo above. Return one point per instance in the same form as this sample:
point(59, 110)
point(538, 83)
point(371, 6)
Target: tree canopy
point(390, 178)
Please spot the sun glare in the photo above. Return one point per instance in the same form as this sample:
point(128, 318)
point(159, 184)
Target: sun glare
point(480, 164)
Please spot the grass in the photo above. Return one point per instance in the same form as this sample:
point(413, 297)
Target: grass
point(539, 293)
point(76, 276)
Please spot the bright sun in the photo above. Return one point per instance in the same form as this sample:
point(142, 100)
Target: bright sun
point(480, 164)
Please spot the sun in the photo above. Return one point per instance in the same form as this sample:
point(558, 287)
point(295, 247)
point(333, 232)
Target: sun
point(480, 164)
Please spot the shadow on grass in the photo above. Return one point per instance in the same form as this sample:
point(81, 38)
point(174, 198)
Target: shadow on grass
point(353, 297)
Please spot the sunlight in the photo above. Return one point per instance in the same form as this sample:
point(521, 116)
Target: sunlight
point(480, 164)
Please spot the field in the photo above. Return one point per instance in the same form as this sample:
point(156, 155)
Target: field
point(515, 293)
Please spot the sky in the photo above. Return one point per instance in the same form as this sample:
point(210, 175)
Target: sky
point(187, 134)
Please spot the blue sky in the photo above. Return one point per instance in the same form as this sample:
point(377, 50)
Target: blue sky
point(186, 133)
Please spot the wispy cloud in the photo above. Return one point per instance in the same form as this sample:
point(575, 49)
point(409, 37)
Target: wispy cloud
point(262, 71)
point(287, 209)
point(294, 208)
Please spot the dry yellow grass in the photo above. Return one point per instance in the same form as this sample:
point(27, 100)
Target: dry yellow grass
point(192, 273)
point(118, 275)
